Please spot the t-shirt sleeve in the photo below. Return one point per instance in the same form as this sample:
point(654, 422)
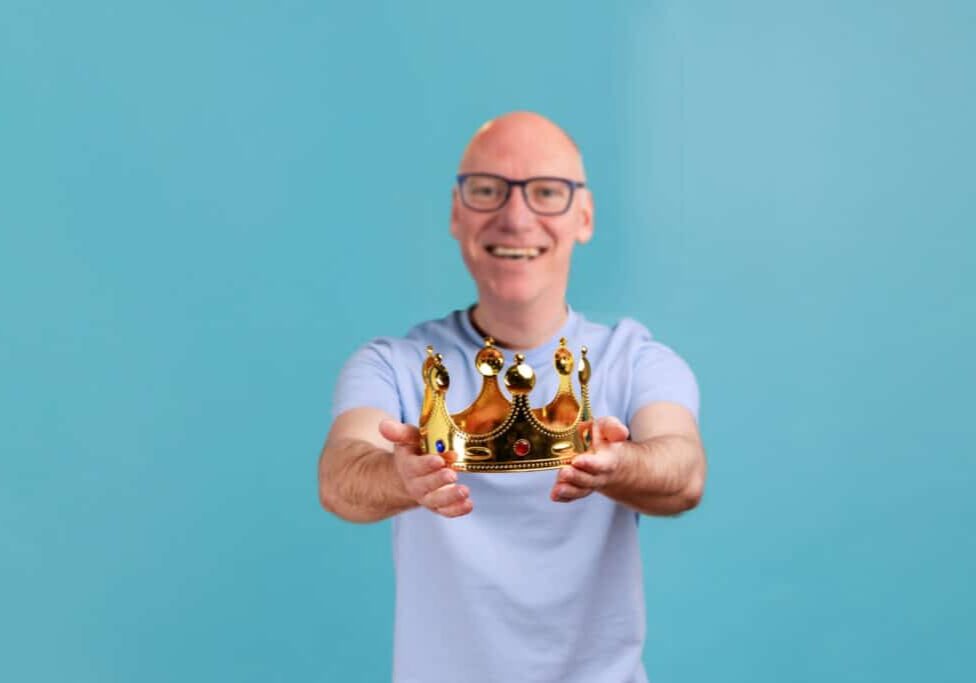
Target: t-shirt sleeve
point(660, 374)
point(368, 380)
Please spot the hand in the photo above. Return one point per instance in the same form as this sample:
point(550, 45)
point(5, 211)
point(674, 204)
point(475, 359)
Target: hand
point(592, 470)
point(426, 477)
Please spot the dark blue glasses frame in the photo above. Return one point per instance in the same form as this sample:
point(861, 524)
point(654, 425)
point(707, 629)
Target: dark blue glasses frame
point(573, 185)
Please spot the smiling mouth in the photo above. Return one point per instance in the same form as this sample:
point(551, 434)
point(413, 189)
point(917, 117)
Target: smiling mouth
point(515, 253)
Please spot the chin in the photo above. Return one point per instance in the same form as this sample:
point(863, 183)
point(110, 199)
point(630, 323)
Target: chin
point(515, 294)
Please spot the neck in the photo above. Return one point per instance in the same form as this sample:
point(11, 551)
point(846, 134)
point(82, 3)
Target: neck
point(519, 327)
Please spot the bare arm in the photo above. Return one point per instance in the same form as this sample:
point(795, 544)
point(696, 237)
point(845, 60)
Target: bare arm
point(357, 480)
point(660, 472)
point(370, 469)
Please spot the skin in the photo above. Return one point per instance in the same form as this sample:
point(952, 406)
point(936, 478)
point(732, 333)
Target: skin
point(370, 466)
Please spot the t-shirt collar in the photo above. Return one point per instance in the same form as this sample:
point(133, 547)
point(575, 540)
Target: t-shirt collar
point(541, 355)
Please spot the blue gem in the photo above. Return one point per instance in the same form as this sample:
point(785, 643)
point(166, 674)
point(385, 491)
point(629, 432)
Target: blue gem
point(439, 445)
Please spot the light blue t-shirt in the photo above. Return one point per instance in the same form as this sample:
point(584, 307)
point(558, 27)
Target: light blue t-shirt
point(522, 588)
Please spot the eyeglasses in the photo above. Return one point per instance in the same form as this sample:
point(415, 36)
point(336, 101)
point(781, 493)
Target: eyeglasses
point(545, 196)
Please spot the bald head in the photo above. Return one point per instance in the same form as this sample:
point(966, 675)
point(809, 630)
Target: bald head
point(522, 144)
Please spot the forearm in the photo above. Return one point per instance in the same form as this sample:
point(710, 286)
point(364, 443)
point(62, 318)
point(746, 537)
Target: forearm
point(664, 475)
point(357, 482)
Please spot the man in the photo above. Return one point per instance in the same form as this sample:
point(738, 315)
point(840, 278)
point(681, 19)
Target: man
point(531, 576)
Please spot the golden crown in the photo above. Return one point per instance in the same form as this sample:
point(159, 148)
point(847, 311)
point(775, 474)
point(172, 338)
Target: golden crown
point(495, 435)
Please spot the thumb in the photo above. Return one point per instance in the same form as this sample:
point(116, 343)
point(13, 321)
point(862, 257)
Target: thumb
point(399, 433)
point(612, 429)
point(596, 436)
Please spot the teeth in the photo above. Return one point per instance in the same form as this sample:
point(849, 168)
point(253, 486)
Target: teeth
point(514, 252)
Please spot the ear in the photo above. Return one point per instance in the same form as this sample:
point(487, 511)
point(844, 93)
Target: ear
point(585, 232)
point(454, 213)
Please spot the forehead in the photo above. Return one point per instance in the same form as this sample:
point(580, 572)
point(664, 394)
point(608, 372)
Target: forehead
point(521, 151)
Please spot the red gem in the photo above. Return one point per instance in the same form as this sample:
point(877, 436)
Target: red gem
point(522, 447)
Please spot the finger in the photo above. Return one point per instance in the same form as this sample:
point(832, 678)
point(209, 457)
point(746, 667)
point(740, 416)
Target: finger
point(585, 431)
point(593, 463)
point(413, 465)
point(457, 509)
point(422, 486)
point(565, 493)
point(579, 478)
point(445, 496)
point(612, 429)
point(400, 433)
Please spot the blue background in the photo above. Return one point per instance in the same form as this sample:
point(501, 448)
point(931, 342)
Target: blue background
point(206, 206)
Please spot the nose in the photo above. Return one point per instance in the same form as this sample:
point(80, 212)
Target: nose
point(516, 215)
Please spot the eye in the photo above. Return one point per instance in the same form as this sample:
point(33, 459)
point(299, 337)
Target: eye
point(484, 190)
point(547, 190)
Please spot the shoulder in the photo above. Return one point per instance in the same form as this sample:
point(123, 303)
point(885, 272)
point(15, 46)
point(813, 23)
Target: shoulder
point(388, 363)
point(383, 369)
point(637, 342)
point(630, 356)
point(630, 331)
point(624, 339)
point(439, 330)
point(392, 350)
